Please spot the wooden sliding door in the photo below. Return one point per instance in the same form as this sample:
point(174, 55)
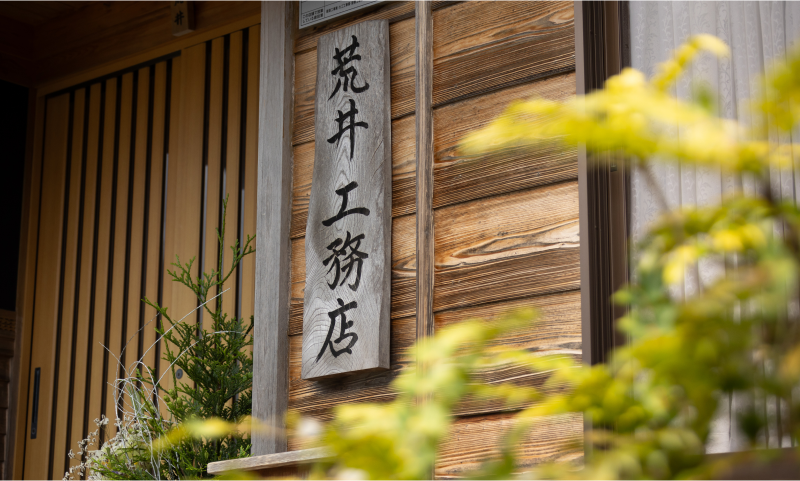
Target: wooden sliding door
point(129, 171)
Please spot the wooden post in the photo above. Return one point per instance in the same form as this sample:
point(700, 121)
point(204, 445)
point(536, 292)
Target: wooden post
point(424, 151)
point(270, 350)
point(424, 147)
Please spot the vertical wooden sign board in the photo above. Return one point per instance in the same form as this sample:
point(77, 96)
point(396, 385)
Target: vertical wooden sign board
point(181, 14)
point(348, 235)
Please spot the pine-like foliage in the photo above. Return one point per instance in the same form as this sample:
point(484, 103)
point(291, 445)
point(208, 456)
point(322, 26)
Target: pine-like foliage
point(214, 356)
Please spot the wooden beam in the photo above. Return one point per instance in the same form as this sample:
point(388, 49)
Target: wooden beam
point(105, 32)
point(49, 84)
point(424, 147)
point(270, 351)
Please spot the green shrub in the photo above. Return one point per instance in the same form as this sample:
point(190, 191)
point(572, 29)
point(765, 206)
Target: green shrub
point(218, 386)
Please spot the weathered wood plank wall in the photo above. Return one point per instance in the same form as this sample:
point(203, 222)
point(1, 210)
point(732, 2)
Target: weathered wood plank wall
point(131, 170)
point(506, 225)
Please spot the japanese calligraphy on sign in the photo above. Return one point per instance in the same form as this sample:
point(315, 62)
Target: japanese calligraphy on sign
point(348, 235)
point(181, 17)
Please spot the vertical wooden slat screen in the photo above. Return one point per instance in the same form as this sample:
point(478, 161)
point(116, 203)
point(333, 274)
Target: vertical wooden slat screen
point(229, 180)
point(247, 176)
point(131, 170)
point(70, 241)
point(170, 199)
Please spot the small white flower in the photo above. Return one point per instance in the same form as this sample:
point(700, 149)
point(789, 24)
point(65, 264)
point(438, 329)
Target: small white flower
point(351, 473)
point(71, 454)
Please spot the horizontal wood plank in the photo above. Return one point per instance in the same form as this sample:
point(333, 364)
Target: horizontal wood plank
point(506, 247)
point(266, 461)
point(458, 178)
point(475, 440)
point(556, 332)
point(318, 398)
point(461, 178)
point(506, 44)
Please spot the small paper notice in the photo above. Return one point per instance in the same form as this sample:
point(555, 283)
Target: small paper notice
point(315, 12)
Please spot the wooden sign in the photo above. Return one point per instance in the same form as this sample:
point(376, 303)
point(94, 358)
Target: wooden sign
point(348, 235)
point(314, 12)
point(181, 17)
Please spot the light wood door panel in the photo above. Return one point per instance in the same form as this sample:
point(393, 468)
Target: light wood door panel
point(45, 309)
point(132, 170)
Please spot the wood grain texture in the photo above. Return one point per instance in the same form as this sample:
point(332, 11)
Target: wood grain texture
point(213, 192)
point(66, 319)
point(528, 240)
point(475, 440)
point(45, 307)
point(154, 220)
point(506, 44)
point(171, 212)
point(135, 234)
point(232, 188)
point(515, 245)
point(352, 173)
point(98, 383)
point(424, 170)
point(460, 178)
point(457, 178)
point(48, 86)
point(188, 165)
point(403, 288)
point(270, 355)
point(318, 397)
point(391, 11)
point(115, 334)
point(556, 332)
point(79, 366)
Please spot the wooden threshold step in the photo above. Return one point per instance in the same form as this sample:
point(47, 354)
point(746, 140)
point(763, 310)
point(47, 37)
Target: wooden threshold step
point(266, 461)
